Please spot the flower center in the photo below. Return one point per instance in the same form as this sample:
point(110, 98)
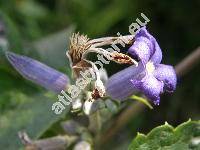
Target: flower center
point(150, 67)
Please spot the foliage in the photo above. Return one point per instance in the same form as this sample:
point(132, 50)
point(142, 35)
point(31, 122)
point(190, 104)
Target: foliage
point(27, 107)
point(166, 137)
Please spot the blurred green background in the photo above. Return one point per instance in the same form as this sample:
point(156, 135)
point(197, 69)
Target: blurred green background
point(41, 29)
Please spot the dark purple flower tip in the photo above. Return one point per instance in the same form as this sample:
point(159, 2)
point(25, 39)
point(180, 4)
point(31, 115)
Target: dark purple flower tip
point(145, 47)
point(119, 86)
point(38, 73)
point(167, 75)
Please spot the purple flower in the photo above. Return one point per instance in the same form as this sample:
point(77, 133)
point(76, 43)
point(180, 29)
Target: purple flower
point(150, 77)
point(38, 73)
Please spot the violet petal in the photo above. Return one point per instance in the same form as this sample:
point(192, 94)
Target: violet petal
point(38, 72)
point(143, 33)
point(145, 47)
point(119, 86)
point(156, 58)
point(166, 74)
point(141, 49)
point(150, 86)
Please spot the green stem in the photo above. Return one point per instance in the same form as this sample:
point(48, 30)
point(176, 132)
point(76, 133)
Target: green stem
point(143, 100)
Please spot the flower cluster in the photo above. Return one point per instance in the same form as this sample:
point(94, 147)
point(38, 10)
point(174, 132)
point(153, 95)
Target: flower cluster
point(149, 77)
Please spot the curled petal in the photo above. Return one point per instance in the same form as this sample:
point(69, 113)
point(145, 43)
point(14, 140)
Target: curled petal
point(119, 86)
point(166, 74)
point(150, 86)
point(141, 49)
point(143, 33)
point(145, 47)
point(38, 73)
point(157, 55)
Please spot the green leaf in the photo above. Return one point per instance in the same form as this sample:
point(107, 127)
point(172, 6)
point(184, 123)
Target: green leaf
point(52, 49)
point(11, 33)
point(166, 137)
point(31, 9)
point(10, 39)
point(23, 107)
point(33, 114)
point(110, 15)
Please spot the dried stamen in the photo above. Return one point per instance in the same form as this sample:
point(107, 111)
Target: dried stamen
point(122, 58)
point(78, 45)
